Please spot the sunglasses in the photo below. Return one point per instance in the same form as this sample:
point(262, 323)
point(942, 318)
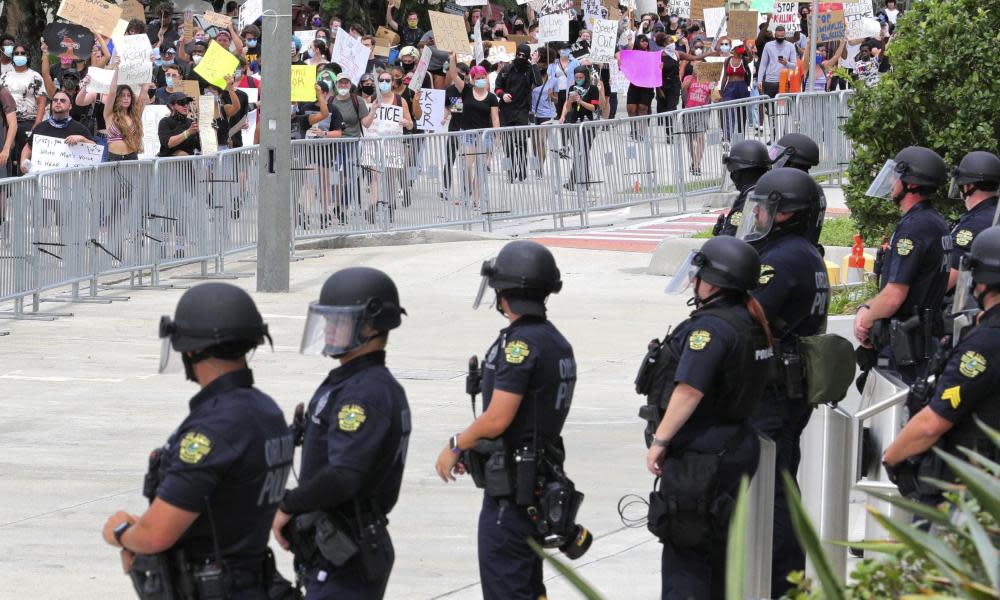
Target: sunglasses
point(20, 54)
point(385, 81)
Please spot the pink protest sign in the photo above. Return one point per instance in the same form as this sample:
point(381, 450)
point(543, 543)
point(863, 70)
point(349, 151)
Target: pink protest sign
point(641, 68)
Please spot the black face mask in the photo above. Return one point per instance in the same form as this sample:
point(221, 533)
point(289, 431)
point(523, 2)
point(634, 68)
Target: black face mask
point(188, 367)
point(368, 89)
point(407, 67)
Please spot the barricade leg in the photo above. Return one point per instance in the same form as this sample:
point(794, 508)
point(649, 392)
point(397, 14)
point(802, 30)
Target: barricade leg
point(757, 553)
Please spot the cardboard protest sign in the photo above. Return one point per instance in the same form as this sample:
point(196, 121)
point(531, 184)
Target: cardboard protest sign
point(68, 40)
point(698, 8)
point(49, 153)
point(389, 36)
point(642, 69)
point(135, 66)
point(855, 14)
point(715, 22)
point(825, 7)
point(217, 64)
point(151, 117)
point(830, 26)
point(133, 9)
point(214, 19)
point(351, 55)
point(303, 83)
point(206, 132)
point(742, 24)
point(432, 105)
point(97, 15)
point(787, 14)
point(602, 41)
point(553, 28)
point(250, 12)
point(449, 32)
point(420, 70)
point(708, 72)
point(190, 88)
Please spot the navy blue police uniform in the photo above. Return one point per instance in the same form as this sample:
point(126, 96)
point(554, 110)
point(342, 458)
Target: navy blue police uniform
point(532, 359)
point(967, 388)
point(918, 255)
point(794, 291)
point(358, 420)
point(969, 226)
point(228, 461)
point(710, 351)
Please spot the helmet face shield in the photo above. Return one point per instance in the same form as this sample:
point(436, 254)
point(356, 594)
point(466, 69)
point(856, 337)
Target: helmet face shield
point(486, 271)
point(955, 188)
point(758, 218)
point(779, 155)
point(170, 359)
point(964, 299)
point(685, 274)
point(886, 179)
point(334, 330)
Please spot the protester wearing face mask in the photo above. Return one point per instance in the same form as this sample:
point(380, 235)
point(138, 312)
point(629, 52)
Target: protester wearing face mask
point(6, 53)
point(367, 88)
point(318, 53)
point(696, 94)
point(172, 80)
point(168, 59)
point(453, 117)
point(410, 33)
point(58, 125)
point(669, 94)
point(582, 102)
point(385, 120)
point(561, 71)
point(778, 54)
point(513, 88)
point(27, 88)
point(178, 132)
point(824, 66)
point(251, 39)
point(480, 115)
point(639, 99)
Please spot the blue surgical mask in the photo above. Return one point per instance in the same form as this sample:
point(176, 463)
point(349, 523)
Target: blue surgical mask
point(20, 61)
point(724, 47)
point(238, 74)
point(167, 63)
point(384, 87)
point(170, 81)
point(8, 50)
point(158, 62)
point(252, 43)
point(481, 83)
point(564, 53)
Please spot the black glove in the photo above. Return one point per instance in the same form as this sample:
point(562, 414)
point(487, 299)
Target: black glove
point(904, 475)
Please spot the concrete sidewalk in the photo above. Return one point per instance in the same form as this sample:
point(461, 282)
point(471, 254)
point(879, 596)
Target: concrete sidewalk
point(83, 407)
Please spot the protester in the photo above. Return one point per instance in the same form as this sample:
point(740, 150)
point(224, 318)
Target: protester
point(58, 125)
point(123, 115)
point(178, 132)
point(698, 94)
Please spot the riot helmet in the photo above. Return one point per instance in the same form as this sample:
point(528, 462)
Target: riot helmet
point(919, 168)
point(355, 305)
point(746, 162)
point(783, 190)
point(525, 273)
point(980, 265)
point(725, 262)
point(980, 169)
point(212, 320)
point(794, 150)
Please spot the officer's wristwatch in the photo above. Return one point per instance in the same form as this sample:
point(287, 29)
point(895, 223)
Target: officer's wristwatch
point(120, 530)
point(453, 444)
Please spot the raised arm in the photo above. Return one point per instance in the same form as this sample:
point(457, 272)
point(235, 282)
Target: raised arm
point(453, 74)
point(109, 98)
point(50, 86)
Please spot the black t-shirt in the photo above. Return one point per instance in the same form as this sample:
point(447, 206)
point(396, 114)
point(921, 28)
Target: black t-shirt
point(171, 126)
point(49, 130)
point(236, 139)
point(454, 104)
point(578, 113)
point(477, 114)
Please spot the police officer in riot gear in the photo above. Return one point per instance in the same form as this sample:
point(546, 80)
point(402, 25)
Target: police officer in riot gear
point(514, 449)
point(905, 316)
point(704, 383)
point(796, 151)
point(976, 180)
point(784, 212)
point(746, 162)
point(354, 441)
point(216, 483)
point(966, 389)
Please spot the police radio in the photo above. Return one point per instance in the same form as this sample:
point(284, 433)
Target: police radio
point(474, 382)
point(298, 426)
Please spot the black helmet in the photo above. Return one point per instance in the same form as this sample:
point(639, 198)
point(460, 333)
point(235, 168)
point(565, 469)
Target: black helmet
point(212, 315)
point(795, 150)
point(784, 190)
point(728, 263)
point(524, 272)
point(921, 166)
point(351, 299)
point(984, 257)
point(748, 154)
point(977, 167)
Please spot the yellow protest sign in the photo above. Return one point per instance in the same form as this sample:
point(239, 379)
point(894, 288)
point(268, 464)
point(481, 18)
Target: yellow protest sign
point(303, 83)
point(96, 15)
point(217, 64)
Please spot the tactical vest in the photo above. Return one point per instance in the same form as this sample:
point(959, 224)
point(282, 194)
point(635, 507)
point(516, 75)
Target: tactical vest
point(732, 398)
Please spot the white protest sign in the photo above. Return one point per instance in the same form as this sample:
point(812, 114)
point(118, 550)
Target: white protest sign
point(250, 12)
point(135, 67)
point(421, 69)
point(787, 14)
point(251, 129)
point(49, 153)
point(602, 41)
point(100, 80)
point(619, 83)
point(390, 114)
point(470, 2)
point(306, 38)
point(351, 55)
point(206, 133)
point(478, 50)
point(432, 104)
point(644, 7)
point(715, 22)
point(591, 12)
point(856, 16)
point(553, 28)
point(681, 8)
point(253, 94)
point(151, 117)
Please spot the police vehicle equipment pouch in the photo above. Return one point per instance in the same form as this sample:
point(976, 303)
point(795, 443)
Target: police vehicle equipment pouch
point(152, 577)
point(828, 362)
point(333, 541)
point(679, 512)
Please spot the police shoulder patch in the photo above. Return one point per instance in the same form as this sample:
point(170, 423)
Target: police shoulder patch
point(953, 395)
point(963, 237)
point(736, 218)
point(194, 447)
point(515, 352)
point(972, 364)
point(351, 417)
point(904, 246)
point(766, 273)
point(698, 339)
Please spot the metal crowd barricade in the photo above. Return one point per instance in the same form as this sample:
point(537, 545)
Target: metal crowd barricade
point(181, 214)
point(16, 198)
point(235, 197)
